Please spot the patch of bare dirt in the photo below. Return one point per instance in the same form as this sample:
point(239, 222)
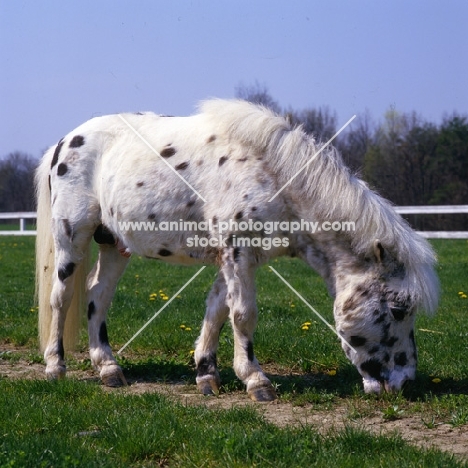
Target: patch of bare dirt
point(411, 427)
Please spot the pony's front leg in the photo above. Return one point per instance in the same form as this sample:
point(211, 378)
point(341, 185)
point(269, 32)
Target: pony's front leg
point(239, 273)
point(102, 282)
point(217, 312)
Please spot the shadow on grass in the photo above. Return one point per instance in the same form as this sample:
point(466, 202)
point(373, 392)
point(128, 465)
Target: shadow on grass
point(315, 386)
point(424, 387)
point(158, 370)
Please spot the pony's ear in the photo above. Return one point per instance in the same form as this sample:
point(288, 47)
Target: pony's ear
point(379, 251)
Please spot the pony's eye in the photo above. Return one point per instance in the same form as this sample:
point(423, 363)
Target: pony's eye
point(398, 313)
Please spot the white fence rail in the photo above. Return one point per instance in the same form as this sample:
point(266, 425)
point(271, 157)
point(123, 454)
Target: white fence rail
point(447, 209)
point(22, 216)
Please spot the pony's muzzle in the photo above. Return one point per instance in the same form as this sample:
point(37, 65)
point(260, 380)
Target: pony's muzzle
point(392, 385)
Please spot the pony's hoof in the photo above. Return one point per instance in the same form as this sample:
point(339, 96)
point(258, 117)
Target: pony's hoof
point(263, 393)
point(55, 372)
point(208, 387)
point(112, 376)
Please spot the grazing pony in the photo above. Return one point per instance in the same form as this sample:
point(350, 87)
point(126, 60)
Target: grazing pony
point(232, 162)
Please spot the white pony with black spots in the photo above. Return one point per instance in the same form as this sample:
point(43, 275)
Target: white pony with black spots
point(234, 157)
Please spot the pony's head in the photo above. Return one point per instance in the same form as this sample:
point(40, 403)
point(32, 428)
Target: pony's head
point(375, 310)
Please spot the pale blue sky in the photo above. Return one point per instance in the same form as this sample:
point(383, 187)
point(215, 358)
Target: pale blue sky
point(65, 62)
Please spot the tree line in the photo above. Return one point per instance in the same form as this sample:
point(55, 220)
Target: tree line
point(407, 159)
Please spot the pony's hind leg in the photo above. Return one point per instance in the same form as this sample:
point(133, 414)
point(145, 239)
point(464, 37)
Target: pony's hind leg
point(217, 312)
point(102, 282)
point(70, 250)
point(239, 268)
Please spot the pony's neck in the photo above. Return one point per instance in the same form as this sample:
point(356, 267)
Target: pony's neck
point(331, 256)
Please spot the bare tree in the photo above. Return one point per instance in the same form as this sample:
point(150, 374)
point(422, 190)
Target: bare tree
point(17, 182)
point(354, 143)
point(320, 123)
point(257, 94)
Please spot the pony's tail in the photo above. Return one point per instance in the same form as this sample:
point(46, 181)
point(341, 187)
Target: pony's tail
point(45, 253)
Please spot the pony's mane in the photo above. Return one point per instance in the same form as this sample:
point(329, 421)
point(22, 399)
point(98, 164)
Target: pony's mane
point(334, 193)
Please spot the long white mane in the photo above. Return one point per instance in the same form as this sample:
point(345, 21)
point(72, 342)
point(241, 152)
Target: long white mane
point(330, 190)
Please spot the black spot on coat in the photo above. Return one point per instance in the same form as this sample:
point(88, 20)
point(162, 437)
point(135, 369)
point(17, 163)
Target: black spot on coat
point(390, 341)
point(357, 341)
point(211, 139)
point(398, 313)
point(250, 351)
point(103, 338)
point(182, 166)
point(401, 359)
point(236, 253)
point(91, 309)
point(168, 152)
point(164, 253)
point(61, 350)
point(206, 365)
point(239, 215)
point(56, 153)
point(66, 271)
point(77, 141)
point(140, 184)
point(222, 160)
point(373, 367)
point(62, 169)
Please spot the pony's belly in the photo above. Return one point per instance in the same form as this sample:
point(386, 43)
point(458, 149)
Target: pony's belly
point(179, 251)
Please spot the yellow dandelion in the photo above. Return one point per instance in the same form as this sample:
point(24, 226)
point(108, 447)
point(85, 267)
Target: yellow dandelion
point(307, 324)
point(32, 309)
point(188, 329)
point(460, 293)
point(463, 296)
point(165, 298)
point(192, 352)
point(137, 276)
point(292, 305)
point(304, 327)
point(331, 372)
point(436, 380)
point(182, 327)
point(152, 298)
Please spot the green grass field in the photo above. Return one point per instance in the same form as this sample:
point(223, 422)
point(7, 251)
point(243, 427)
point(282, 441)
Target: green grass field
point(75, 423)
